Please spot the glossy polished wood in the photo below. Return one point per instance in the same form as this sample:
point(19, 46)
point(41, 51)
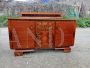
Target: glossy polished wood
point(21, 31)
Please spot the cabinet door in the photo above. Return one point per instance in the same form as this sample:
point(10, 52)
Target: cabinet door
point(20, 38)
point(64, 33)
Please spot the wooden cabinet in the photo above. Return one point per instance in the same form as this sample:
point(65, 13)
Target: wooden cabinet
point(41, 33)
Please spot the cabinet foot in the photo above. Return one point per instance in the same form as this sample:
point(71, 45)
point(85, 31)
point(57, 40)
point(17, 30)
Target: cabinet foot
point(67, 50)
point(18, 53)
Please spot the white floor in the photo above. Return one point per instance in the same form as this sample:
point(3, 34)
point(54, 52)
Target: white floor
point(78, 58)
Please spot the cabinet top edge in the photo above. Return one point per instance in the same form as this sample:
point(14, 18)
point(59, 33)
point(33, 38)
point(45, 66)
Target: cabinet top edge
point(40, 18)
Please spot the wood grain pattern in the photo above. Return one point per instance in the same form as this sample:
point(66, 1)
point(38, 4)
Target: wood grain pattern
point(28, 34)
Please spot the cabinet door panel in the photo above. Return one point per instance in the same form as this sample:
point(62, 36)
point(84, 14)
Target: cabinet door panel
point(64, 33)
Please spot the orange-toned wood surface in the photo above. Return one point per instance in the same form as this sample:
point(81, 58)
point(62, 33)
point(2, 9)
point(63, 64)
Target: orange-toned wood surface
point(19, 28)
point(42, 31)
point(65, 33)
point(53, 33)
point(41, 14)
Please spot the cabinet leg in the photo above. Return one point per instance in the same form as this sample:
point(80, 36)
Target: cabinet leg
point(67, 50)
point(18, 53)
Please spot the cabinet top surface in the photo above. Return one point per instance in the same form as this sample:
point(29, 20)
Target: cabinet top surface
point(40, 13)
point(39, 18)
